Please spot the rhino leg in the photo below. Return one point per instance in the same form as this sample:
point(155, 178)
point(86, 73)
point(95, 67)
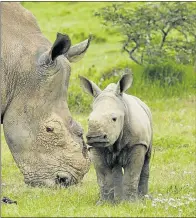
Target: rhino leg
point(132, 172)
point(143, 183)
point(117, 176)
point(104, 175)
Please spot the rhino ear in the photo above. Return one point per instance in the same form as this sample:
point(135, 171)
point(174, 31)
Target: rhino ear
point(124, 83)
point(60, 46)
point(89, 86)
point(78, 51)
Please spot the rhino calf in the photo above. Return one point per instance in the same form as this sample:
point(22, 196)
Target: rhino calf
point(119, 137)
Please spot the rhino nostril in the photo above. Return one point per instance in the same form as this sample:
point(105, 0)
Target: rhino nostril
point(105, 136)
point(63, 180)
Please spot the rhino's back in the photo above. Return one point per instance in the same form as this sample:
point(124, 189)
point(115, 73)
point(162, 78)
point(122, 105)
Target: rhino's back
point(20, 36)
point(20, 32)
point(139, 121)
point(17, 20)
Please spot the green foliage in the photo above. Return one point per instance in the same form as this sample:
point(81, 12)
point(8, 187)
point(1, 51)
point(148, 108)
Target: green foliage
point(104, 62)
point(165, 71)
point(172, 80)
point(154, 29)
point(79, 100)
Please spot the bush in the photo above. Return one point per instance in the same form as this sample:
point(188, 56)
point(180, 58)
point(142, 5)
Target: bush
point(164, 26)
point(167, 72)
point(78, 100)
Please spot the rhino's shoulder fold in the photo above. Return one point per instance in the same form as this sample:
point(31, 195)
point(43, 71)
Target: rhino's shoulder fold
point(138, 122)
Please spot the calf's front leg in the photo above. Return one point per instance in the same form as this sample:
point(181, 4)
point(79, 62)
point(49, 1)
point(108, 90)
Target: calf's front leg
point(117, 179)
point(104, 175)
point(132, 172)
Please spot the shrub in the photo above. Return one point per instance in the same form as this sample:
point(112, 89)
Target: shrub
point(167, 72)
point(78, 100)
point(168, 26)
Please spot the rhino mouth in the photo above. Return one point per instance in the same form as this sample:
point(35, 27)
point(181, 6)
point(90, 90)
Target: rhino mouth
point(93, 139)
point(97, 141)
point(60, 180)
point(98, 145)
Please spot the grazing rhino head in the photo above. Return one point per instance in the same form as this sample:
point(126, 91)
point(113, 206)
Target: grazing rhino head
point(45, 141)
point(107, 118)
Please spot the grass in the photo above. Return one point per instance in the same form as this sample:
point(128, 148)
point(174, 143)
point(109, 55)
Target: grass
point(172, 175)
point(172, 171)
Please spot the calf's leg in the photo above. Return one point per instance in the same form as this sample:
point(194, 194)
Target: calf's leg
point(132, 172)
point(104, 175)
point(143, 183)
point(117, 178)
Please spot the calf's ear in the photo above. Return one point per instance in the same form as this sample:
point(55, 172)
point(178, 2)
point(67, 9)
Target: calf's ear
point(89, 86)
point(124, 83)
point(61, 46)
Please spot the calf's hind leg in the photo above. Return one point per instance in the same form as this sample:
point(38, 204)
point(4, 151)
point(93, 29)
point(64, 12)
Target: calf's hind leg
point(132, 172)
point(143, 183)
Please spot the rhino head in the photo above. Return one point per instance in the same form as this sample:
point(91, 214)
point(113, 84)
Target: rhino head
point(106, 121)
point(45, 141)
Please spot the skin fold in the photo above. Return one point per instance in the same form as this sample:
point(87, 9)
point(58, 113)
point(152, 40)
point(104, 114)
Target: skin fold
point(120, 140)
point(45, 141)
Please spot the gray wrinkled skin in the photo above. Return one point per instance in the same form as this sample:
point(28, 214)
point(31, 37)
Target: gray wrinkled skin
point(46, 143)
point(119, 138)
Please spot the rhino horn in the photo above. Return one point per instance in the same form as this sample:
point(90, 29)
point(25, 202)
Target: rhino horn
point(77, 51)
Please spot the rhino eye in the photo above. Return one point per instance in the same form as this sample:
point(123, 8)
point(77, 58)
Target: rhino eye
point(114, 119)
point(49, 129)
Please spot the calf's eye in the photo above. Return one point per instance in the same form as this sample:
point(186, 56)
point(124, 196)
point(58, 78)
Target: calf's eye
point(114, 119)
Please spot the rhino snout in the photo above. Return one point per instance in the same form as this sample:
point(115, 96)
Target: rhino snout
point(93, 138)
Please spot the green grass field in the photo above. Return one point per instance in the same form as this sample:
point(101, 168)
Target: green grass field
point(172, 171)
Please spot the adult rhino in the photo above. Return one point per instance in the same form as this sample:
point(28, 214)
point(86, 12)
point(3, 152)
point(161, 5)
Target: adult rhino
point(46, 143)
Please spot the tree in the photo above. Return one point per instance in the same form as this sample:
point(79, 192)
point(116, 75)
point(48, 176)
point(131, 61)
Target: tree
point(155, 29)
